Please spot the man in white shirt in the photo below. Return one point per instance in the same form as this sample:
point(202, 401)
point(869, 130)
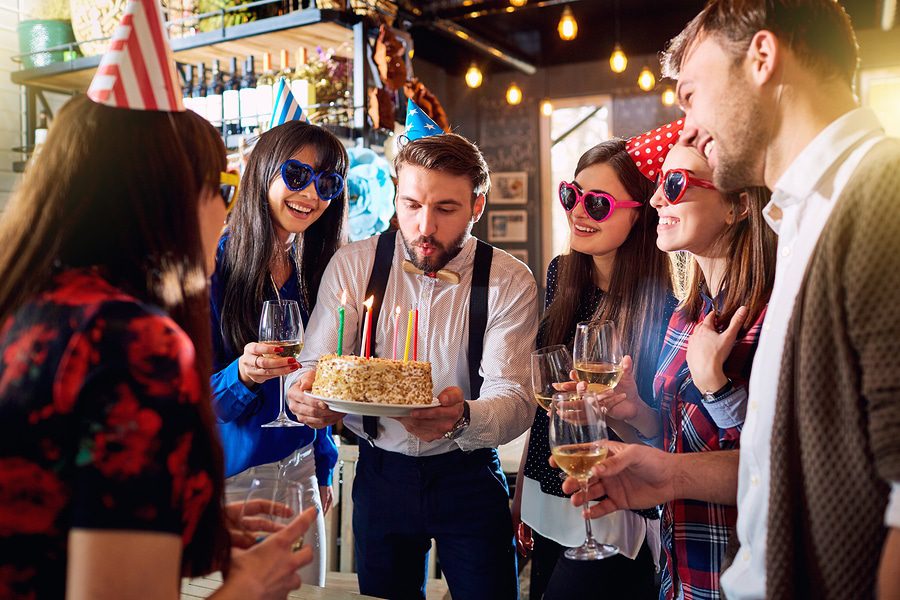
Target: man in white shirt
point(434, 474)
point(767, 88)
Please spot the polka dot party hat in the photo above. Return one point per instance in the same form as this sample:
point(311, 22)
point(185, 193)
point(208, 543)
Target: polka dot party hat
point(649, 150)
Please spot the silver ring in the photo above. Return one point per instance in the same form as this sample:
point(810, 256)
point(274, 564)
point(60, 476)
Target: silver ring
point(256, 362)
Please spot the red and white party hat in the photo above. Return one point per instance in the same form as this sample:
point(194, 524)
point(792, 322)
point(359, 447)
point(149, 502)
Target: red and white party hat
point(649, 150)
point(138, 71)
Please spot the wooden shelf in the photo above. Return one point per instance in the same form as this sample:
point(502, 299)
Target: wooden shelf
point(309, 28)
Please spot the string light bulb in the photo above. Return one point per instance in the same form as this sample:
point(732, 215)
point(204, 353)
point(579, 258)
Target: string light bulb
point(474, 76)
point(646, 80)
point(546, 108)
point(518, 3)
point(668, 96)
point(513, 94)
point(617, 60)
point(568, 26)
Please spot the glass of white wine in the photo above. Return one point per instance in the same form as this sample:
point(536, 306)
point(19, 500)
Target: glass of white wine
point(598, 355)
point(550, 367)
point(271, 504)
point(577, 432)
point(280, 327)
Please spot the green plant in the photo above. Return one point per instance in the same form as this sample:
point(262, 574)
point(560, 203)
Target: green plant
point(231, 18)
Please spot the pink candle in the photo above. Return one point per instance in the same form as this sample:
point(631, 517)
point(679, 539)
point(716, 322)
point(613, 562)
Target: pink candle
point(416, 334)
point(367, 326)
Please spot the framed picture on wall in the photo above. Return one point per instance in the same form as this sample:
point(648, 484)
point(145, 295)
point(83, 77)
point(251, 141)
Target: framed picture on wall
point(510, 187)
point(507, 226)
point(520, 253)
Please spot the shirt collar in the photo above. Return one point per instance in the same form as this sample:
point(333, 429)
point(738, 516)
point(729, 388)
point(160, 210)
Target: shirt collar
point(823, 154)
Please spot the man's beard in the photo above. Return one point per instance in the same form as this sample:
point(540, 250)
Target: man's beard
point(741, 161)
point(442, 254)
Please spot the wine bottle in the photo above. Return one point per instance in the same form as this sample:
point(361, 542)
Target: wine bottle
point(231, 105)
point(248, 98)
point(264, 86)
point(199, 92)
point(303, 90)
point(214, 96)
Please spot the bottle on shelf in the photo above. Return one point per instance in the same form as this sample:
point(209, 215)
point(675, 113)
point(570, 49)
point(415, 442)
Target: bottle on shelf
point(40, 130)
point(214, 96)
point(198, 94)
point(286, 71)
point(231, 105)
point(187, 89)
point(303, 90)
point(264, 86)
point(248, 104)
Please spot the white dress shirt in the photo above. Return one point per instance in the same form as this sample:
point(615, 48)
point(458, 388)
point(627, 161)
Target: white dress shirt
point(505, 407)
point(805, 194)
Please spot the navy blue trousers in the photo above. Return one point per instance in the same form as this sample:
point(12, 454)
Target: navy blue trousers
point(460, 499)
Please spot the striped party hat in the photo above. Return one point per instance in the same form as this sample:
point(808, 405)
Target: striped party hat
point(285, 108)
point(138, 71)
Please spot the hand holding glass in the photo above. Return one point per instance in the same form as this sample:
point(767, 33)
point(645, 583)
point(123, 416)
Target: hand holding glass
point(550, 367)
point(270, 505)
point(281, 328)
point(577, 432)
point(598, 355)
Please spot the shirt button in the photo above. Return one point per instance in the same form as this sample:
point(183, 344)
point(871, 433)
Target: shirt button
point(754, 480)
point(753, 406)
point(766, 327)
point(745, 555)
point(786, 251)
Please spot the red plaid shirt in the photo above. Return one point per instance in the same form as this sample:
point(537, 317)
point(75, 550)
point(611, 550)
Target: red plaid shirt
point(695, 533)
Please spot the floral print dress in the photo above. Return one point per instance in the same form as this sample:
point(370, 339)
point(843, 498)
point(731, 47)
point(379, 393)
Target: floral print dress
point(99, 428)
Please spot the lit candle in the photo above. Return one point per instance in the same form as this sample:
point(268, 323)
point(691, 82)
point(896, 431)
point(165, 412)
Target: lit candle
point(416, 335)
point(340, 343)
point(396, 324)
point(364, 348)
point(409, 326)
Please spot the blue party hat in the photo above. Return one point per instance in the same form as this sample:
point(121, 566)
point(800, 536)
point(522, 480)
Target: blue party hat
point(418, 124)
point(285, 108)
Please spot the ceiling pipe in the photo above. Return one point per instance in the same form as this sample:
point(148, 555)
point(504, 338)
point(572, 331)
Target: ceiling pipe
point(475, 41)
point(888, 14)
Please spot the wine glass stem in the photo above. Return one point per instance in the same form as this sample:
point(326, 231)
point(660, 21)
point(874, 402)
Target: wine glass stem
point(587, 518)
point(281, 413)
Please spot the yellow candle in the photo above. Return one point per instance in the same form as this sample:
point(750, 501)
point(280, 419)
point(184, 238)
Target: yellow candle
point(409, 327)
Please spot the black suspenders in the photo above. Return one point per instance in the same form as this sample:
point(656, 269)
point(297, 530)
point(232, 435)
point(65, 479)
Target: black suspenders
point(478, 308)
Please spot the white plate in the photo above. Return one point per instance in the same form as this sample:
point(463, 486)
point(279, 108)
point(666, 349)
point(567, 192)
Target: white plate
point(372, 409)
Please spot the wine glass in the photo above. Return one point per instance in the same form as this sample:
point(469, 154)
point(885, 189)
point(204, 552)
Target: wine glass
point(280, 327)
point(271, 504)
point(550, 367)
point(577, 432)
point(598, 355)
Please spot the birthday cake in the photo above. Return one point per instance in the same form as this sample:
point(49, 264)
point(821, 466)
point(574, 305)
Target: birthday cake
point(376, 380)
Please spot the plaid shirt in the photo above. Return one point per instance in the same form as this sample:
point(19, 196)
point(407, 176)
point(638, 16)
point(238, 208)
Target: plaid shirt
point(695, 534)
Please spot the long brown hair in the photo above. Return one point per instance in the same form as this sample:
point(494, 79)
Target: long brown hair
point(749, 245)
point(252, 245)
point(640, 282)
point(119, 189)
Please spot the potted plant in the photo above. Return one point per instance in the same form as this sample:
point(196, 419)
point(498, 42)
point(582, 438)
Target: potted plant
point(48, 25)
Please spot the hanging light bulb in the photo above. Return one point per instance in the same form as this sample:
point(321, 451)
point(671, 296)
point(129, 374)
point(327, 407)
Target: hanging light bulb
point(668, 96)
point(617, 60)
point(513, 94)
point(646, 80)
point(474, 76)
point(546, 108)
point(518, 3)
point(568, 26)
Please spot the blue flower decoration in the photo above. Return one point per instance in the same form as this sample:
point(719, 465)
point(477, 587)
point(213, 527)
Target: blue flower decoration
point(371, 191)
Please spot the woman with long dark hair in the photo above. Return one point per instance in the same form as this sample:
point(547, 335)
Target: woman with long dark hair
point(110, 470)
point(285, 226)
point(700, 389)
point(613, 271)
